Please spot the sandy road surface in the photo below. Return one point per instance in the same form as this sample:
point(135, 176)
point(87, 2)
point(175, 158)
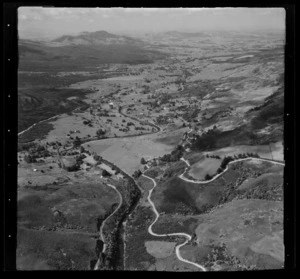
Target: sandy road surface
point(171, 234)
point(214, 178)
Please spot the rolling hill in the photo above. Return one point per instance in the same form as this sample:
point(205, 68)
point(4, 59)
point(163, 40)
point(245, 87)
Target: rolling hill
point(91, 49)
point(96, 38)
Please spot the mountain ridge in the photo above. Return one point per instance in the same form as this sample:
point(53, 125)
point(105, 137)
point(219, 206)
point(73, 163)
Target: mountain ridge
point(95, 38)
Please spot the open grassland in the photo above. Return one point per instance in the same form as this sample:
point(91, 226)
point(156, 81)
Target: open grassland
point(173, 138)
point(136, 235)
point(126, 153)
point(40, 103)
point(58, 224)
point(232, 86)
point(175, 195)
point(160, 249)
point(170, 223)
point(147, 252)
point(203, 167)
point(60, 206)
point(40, 250)
point(242, 234)
point(272, 151)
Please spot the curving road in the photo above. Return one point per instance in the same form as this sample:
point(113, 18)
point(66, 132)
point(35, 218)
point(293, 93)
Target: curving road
point(103, 223)
point(36, 124)
point(192, 181)
point(170, 234)
point(44, 121)
point(215, 177)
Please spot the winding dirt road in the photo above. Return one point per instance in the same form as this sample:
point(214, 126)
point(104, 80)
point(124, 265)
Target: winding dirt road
point(36, 124)
point(218, 175)
point(177, 249)
point(171, 234)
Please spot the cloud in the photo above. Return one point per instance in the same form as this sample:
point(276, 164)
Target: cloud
point(29, 14)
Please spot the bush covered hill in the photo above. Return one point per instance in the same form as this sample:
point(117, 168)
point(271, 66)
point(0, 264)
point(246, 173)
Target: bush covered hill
point(268, 115)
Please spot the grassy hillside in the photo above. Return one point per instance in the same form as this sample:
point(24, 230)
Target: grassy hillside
point(36, 104)
point(175, 195)
point(268, 115)
point(57, 225)
point(42, 57)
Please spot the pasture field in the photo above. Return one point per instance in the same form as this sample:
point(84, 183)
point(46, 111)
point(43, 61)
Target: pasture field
point(175, 195)
point(203, 167)
point(58, 224)
point(249, 231)
point(40, 250)
point(126, 153)
point(272, 151)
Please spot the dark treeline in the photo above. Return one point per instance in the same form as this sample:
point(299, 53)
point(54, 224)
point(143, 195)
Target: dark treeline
point(227, 159)
point(130, 195)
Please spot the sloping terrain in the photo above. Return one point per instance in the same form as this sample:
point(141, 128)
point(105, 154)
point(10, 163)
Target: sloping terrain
point(44, 57)
point(215, 94)
point(58, 224)
point(95, 38)
point(175, 195)
point(240, 235)
point(47, 68)
point(36, 104)
point(267, 116)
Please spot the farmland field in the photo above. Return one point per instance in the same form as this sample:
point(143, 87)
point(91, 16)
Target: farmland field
point(203, 167)
point(121, 134)
point(127, 152)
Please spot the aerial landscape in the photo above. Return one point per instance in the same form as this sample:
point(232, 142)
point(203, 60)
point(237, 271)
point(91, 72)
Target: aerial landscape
point(152, 150)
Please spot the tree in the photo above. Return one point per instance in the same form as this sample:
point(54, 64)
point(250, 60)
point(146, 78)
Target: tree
point(100, 132)
point(105, 173)
point(219, 170)
point(137, 174)
point(143, 161)
point(29, 159)
point(77, 142)
point(207, 177)
point(97, 157)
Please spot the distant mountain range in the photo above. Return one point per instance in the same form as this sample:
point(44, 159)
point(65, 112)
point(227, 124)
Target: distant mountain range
point(187, 34)
point(96, 38)
point(83, 52)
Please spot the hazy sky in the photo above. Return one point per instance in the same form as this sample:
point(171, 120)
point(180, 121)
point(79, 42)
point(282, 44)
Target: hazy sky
point(37, 22)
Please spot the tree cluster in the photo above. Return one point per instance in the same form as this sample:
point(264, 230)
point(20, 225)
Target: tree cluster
point(130, 124)
point(139, 128)
point(175, 155)
point(137, 174)
point(213, 156)
point(77, 142)
point(105, 173)
point(100, 133)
